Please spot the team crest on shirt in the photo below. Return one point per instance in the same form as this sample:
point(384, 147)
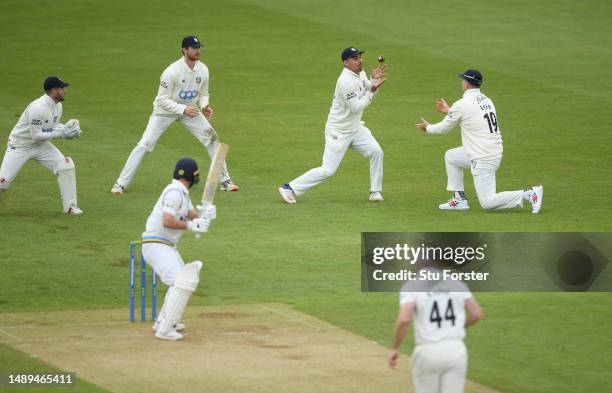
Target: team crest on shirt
point(351, 95)
point(54, 118)
point(198, 79)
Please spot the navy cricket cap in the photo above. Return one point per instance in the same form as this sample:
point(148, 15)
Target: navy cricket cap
point(350, 52)
point(54, 81)
point(191, 41)
point(187, 168)
point(473, 77)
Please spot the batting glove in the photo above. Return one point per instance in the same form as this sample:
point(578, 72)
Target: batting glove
point(198, 225)
point(207, 212)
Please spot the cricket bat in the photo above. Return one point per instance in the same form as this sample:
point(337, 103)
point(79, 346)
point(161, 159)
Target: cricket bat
point(214, 176)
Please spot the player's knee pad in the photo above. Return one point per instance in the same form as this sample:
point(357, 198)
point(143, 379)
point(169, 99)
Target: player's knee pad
point(66, 179)
point(179, 294)
point(189, 277)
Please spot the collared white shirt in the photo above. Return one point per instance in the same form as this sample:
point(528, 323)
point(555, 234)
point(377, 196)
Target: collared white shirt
point(180, 86)
point(351, 97)
point(439, 312)
point(174, 200)
point(480, 132)
point(35, 126)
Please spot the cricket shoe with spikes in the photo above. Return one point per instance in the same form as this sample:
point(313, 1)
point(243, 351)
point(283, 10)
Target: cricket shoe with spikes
point(537, 193)
point(229, 186)
point(286, 192)
point(179, 327)
point(455, 204)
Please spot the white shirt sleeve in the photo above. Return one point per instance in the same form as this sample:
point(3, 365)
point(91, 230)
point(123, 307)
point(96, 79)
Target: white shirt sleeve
point(172, 201)
point(36, 119)
point(350, 96)
point(449, 122)
point(204, 99)
point(164, 94)
point(407, 298)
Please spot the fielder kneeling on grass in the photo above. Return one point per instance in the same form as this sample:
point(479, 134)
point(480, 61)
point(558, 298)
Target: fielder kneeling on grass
point(481, 150)
point(174, 213)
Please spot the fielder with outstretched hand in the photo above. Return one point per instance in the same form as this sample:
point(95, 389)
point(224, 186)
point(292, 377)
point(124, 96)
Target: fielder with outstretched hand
point(344, 128)
point(30, 140)
point(481, 150)
point(172, 215)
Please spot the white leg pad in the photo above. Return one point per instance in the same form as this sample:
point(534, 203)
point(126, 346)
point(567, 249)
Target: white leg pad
point(178, 296)
point(66, 179)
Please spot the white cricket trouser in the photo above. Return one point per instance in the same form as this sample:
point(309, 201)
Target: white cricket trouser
point(483, 173)
point(198, 126)
point(336, 145)
point(15, 158)
point(167, 263)
point(164, 259)
point(439, 367)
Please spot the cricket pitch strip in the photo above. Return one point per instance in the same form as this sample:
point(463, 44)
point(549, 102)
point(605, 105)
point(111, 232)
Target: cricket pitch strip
point(231, 348)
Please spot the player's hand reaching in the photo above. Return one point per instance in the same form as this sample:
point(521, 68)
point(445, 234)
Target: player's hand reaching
point(377, 85)
point(379, 72)
point(392, 358)
point(423, 125)
point(442, 106)
point(191, 111)
point(208, 112)
point(198, 225)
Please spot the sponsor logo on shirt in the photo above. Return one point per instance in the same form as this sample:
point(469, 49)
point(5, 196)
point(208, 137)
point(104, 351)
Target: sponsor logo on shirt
point(163, 84)
point(351, 95)
point(188, 94)
point(36, 122)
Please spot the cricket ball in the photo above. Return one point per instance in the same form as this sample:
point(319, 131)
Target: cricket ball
point(381, 59)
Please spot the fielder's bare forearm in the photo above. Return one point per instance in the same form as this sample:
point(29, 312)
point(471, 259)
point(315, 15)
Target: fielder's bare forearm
point(474, 312)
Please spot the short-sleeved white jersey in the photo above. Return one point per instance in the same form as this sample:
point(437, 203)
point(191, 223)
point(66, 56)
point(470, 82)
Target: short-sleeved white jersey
point(180, 86)
point(480, 132)
point(174, 200)
point(351, 97)
point(36, 123)
point(439, 314)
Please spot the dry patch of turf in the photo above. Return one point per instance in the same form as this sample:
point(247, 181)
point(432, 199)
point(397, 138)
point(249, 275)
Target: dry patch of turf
point(237, 348)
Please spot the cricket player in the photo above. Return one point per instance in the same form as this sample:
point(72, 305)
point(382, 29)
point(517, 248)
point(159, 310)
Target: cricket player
point(172, 215)
point(481, 150)
point(30, 140)
point(182, 96)
point(438, 311)
point(344, 129)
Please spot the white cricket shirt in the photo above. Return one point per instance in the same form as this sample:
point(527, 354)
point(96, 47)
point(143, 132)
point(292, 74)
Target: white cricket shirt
point(180, 86)
point(351, 97)
point(174, 200)
point(480, 133)
point(438, 314)
point(35, 126)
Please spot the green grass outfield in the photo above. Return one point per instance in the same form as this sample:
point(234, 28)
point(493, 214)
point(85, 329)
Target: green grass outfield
point(548, 68)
